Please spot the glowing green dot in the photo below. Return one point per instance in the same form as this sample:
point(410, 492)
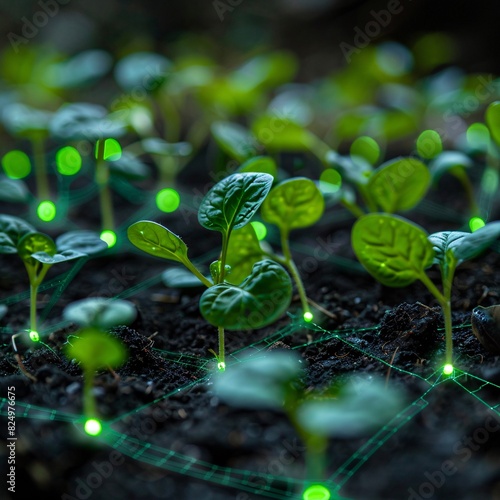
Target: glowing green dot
point(260, 229)
point(93, 427)
point(68, 161)
point(429, 144)
point(448, 369)
point(476, 223)
point(316, 492)
point(34, 336)
point(168, 200)
point(478, 135)
point(46, 211)
point(112, 149)
point(308, 316)
point(330, 180)
point(109, 237)
point(221, 366)
point(16, 164)
point(367, 148)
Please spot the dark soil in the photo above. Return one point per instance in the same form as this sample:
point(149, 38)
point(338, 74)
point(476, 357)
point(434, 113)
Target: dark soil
point(446, 445)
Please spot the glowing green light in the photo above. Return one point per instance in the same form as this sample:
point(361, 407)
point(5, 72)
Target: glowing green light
point(34, 336)
point(260, 229)
point(109, 237)
point(316, 492)
point(68, 161)
point(429, 144)
point(308, 316)
point(46, 211)
point(367, 148)
point(330, 181)
point(478, 135)
point(112, 149)
point(476, 223)
point(448, 369)
point(168, 200)
point(16, 164)
point(93, 427)
point(221, 366)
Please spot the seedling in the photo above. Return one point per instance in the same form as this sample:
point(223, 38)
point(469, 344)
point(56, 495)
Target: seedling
point(265, 293)
point(275, 381)
point(397, 252)
point(94, 350)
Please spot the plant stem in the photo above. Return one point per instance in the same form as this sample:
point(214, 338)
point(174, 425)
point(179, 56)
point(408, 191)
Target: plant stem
point(33, 317)
point(222, 357)
point(197, 273)
point(315, 458)
point(42, 182)
point(285, 247)
point(102, 181)
point(353, 208)
point(89, 405)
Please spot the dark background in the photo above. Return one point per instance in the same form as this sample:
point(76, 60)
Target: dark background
point(312, 29)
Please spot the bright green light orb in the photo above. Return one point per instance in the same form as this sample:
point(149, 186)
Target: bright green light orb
point(16, 164)
point(317, 492)
point(476, 223)
point(112, 149)
point(221, 366)
point(109, 237)
point(260, 229)
point(308, 316)
point(68, 161)
point(168, 200)
point(448, 369)
point(34, 336)
point(46, 211)
point(93, 427)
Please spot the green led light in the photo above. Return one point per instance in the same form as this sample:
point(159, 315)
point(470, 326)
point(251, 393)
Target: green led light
point(260, 230)
point(221, 366)
point(448, 369)
point(308, 316)
point(330, 181)
point(68, 161)
point(16, 164)
point(34, 336)
point(476, 223)
point(93, 427)
point(46, 211)
point(109, 237)
point(317, 492)
point(168, 200)
point(429, 144)
point(112, 149)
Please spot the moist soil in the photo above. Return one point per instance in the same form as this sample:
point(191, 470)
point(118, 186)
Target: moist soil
point(448, 449)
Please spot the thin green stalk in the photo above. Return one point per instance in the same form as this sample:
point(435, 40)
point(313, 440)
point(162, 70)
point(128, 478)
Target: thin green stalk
point(222, 356)
point(353, 208)
point(102, 181)
point(89, 405)
point(290, 264)
point(40, 167)
point(33, 316)
point(197, 273)
point(315, 458)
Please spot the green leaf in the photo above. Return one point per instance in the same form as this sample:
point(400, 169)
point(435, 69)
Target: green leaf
point(157, 240)
point(95, 349)
point(243, 252)
point(464, 246)
point(347, 415)
point(12, 229)
point(261, 299)
point(235, 140)
point(260, 382)
point(293, 203)
point(13, 191)
point(46, 258)
point(453, 162)
point(355, 170)
point(399, 184)
point(279, 133)
point(493, 120)
point(23, 121)
point(366, 148)
point(232, 202)
point(157, 146)
point(178, 277)
point(82, 241)
point(392, 249)
point(262, 164)
point(129, 166)
point(35, 243)
point(142, 71)
point(100, 312)
point(429, 144)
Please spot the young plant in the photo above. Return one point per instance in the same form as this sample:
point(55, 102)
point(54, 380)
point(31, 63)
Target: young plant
point(263, 296)
point(275, 381)
point(397, 252)
point(94, 350)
